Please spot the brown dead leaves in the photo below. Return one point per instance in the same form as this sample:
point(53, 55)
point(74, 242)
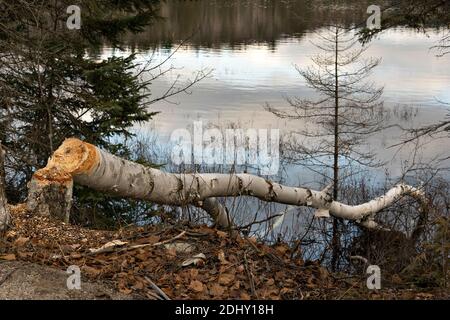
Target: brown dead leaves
point(91, 272)
point(226, 279)
point(217, 271)
point(216, 290)
point(21, 241)
point(196, 286)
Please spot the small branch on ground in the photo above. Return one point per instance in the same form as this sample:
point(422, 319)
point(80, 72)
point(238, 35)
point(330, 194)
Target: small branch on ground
point(250, 276)
point(157, 289)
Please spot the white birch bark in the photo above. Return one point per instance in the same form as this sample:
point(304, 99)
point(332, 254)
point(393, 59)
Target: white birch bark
point(102, 171)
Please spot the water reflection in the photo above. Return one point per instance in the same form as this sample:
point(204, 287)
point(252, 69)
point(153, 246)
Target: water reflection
point(243, 80)
point(236, 23)
point(252, 47)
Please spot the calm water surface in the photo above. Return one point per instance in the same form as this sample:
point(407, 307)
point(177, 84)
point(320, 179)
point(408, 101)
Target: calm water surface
point(252, 47)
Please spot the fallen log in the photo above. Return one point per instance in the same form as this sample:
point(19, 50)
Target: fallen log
point(50, 190)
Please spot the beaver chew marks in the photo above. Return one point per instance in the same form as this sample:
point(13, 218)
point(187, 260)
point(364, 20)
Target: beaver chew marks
point(72, 157)
point(50, 190)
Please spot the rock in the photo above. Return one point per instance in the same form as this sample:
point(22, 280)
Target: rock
point(27, 281)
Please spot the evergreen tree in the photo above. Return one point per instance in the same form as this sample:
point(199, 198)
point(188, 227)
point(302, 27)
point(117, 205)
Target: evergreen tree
point(54, 86)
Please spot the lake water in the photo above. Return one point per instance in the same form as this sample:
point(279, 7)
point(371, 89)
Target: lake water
point(251, 48)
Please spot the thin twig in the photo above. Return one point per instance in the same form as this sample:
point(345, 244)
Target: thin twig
point(260, 221)
point(155, 287)
point(347, 291)
point(194, 234)
point(250, 276)
point(153, 295)
point(7, 276)
point(154, 244)
point(112, 249)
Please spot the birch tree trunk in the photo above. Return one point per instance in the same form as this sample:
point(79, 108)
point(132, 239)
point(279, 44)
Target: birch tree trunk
point(87, 165)
point(4, 213)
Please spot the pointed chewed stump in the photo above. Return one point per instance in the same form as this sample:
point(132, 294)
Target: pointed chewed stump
point(50, 198)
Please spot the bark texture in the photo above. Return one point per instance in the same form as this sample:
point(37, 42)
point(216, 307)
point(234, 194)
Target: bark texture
point(92, 167)
point(50, 198)
point(4, 213)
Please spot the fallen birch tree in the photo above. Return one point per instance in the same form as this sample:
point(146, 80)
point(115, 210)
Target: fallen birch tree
point(50, 190)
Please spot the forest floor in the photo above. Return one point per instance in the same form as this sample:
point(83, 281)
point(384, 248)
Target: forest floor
point(168, 261)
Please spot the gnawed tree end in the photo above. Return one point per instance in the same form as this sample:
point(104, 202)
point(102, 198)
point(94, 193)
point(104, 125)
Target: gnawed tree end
point(50, 190)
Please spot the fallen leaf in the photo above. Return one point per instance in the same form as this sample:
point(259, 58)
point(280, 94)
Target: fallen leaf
point(323, 273)
point(125, 290)
point(226, 279)
point(271, 294)
point(216, 290)
point(284, 291)
point(236, 285)
point(138, 286)
point(90, 271)
point(193, 273)
point(197, 260)
point(281, 249)
point(21, 241)
point(168, 291)
point(396, 279)
point(144, 256)
point(171, 253)
point(8, 257)
point(180, 247)
point(196, 286)
point(10, 234)
point(75, 255)
point(148, 240)
point(279, 275)
point(245, 296)
point(221, 257)
point(24, 254)
point(234, 294)
point(69, 248)
point(222, 234)
point(310, 282)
